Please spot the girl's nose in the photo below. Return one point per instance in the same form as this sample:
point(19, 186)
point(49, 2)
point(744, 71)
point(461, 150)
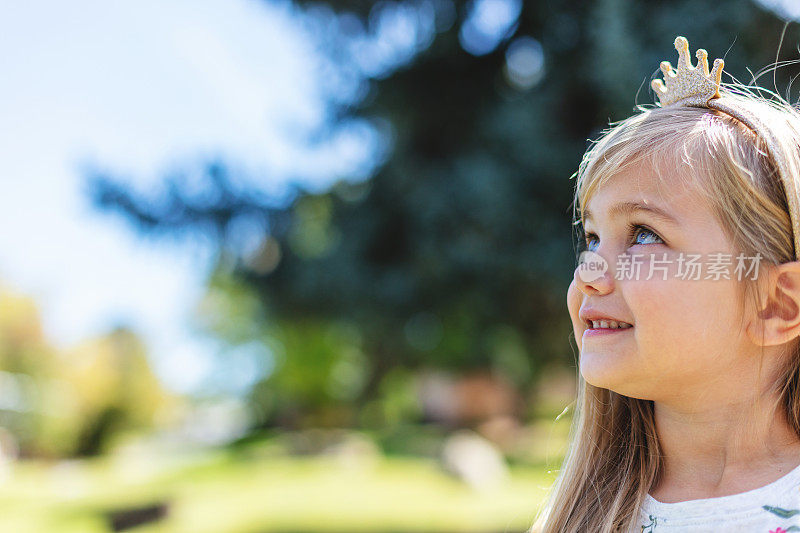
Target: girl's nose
point(594, 277)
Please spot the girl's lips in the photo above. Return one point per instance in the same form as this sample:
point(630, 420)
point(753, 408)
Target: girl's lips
point(601, 332)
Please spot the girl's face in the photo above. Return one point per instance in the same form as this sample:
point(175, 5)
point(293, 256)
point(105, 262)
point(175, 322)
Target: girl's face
point(686, 340)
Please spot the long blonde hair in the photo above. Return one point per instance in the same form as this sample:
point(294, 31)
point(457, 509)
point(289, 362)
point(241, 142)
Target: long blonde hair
point(614, 458)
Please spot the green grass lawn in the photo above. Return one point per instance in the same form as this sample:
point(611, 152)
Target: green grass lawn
point(223, 491)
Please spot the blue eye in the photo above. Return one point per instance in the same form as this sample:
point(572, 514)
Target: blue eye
point(637, 234)
point(588, 240)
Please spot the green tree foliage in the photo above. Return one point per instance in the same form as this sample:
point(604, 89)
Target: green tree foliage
point(56, 402)
point(457, 251)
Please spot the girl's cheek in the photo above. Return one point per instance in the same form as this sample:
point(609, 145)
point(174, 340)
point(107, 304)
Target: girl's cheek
point(660, 307)
point(574, 301)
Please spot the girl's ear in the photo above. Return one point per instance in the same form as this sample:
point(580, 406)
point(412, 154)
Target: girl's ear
point(778, 316)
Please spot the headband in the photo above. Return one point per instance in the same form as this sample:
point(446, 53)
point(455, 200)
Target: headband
point(697, 87)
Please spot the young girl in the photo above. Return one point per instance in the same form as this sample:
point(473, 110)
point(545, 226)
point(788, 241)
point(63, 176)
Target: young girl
point(687, 321)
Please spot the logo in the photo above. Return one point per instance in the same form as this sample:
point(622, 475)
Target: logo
point(591, 266)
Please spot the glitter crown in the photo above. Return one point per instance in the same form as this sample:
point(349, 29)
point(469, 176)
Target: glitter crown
point(689, 86)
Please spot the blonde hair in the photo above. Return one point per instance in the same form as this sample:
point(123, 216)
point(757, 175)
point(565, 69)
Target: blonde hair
point(614, 458)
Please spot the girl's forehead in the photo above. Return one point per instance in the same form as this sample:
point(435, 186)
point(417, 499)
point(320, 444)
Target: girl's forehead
point(676, 193)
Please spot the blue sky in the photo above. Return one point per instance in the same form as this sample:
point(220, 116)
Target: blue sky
point(141, 87)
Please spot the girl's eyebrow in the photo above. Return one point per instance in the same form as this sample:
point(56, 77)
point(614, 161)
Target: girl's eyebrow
point(628, 208)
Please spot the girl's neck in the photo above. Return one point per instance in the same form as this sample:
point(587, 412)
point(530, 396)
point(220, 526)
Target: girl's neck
point(722, 450)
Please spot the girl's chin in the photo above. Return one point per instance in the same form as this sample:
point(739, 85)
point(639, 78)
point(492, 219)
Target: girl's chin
point(616, 380)
point(605, 370)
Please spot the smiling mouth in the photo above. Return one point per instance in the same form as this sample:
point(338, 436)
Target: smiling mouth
point(597, 322)
point(607, 324)
point(607, 333)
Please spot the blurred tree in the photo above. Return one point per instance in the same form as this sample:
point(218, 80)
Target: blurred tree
point(71, 402)
point(116, 389)
point(458, 251)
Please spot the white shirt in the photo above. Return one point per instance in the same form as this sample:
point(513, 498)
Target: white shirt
point(773, 508)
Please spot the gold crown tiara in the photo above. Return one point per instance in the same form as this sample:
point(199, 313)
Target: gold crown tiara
point(697, 87)
point(690, 86)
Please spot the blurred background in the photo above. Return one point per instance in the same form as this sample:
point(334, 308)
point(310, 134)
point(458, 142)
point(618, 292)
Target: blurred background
point(272, 266)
